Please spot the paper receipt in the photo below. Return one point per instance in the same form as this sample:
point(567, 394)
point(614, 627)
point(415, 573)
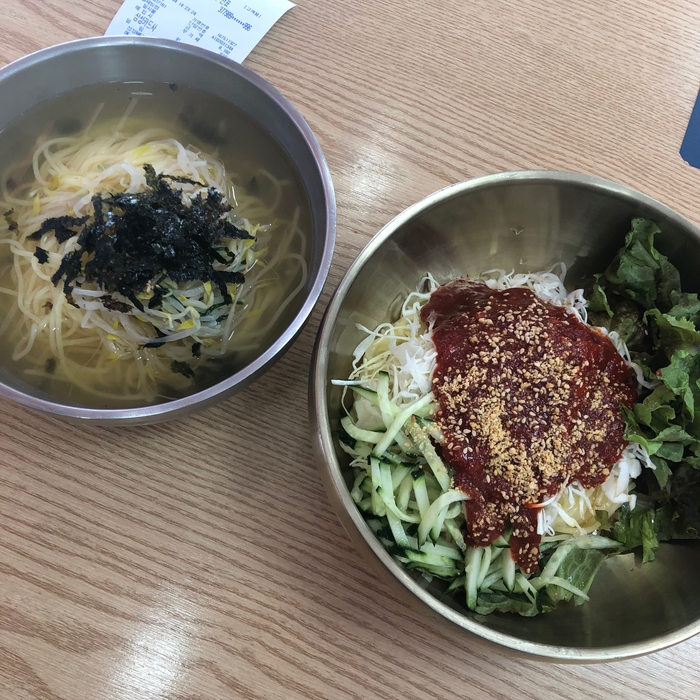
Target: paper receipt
point(231, 28)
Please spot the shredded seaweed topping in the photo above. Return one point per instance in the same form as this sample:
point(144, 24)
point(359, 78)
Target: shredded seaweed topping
point(183, 180)
point(159, 339)
point(41, 255)
point(63, 227)
point(196, 350)
point(11, 223)
point(182, 368)
point(134, 241)
point(109, 302)
point(50, 365)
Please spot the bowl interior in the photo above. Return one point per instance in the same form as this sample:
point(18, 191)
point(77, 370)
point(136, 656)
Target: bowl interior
point(525, 222)
point(208, 102)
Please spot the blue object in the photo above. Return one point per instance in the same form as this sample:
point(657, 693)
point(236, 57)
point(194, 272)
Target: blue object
point(690, 148)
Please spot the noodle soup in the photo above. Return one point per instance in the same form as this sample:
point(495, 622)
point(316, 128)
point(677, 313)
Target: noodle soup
point(152, 238)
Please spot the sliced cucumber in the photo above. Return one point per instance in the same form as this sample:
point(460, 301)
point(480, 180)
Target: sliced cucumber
point(491, 580)
point(438, 524)
point(435, 510)
point(422, 441)
point(471, 570)
point(378, 506)
point(398, 474)
point(485, 565)
point(368, 394)
point(433, 430)
point(443, 550)
point(428, 558)
point(457, 583)
point(386, 493)
point(399, 422)
point(421, 493)
point(367, 416)
point(397, 530)
point(508, 564)
point(354, 432)
point(356, 492)
point(403, 493)
point(444, 572)
point(385, 405)
point(456, 533)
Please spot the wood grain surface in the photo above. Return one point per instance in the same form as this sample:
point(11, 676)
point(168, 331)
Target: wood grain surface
point(201, 559)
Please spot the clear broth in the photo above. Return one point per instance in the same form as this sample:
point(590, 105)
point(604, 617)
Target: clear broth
point(193, 117)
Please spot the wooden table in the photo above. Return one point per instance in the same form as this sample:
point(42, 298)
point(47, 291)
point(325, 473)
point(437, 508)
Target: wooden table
point(201, 559)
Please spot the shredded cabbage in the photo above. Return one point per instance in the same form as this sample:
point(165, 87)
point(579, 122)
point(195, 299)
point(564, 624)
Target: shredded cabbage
point(404, 351)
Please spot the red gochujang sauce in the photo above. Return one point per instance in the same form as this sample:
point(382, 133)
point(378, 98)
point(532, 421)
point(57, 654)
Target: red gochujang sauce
point(529, 400)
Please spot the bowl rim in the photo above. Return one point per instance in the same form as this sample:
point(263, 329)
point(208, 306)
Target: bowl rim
point(222, 389)
point(350, 517)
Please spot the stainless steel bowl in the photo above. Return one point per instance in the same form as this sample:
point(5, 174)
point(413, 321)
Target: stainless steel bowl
point(526, 221)
point(101, 61)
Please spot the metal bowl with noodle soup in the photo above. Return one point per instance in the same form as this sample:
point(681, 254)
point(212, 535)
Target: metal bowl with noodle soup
point(161, 244)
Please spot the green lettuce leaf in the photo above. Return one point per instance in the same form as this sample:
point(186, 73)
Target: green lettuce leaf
point(675, 433)
point(503, 601)
point(685, 495)
point(685, 306)
point(671, 451)
point(637, 528)
point(667, 443)
point(635, 433)
point(640, 273)
point(663, 472)
point(625, 318)
point(672, 333)
point(661, 326)
point(663, 522)
point(656, 411)
point(579, 568)
point(597, 299)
